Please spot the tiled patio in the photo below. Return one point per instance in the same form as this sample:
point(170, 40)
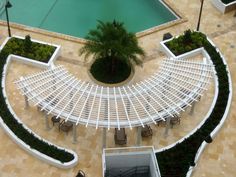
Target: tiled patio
point(217, 160)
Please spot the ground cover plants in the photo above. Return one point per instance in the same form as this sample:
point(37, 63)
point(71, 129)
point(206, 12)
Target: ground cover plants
point(177, 160)
point(16, 127)
point(27, 48)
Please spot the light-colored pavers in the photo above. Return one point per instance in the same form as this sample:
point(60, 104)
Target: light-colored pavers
point(220, 157)
point(89, 139)
point(217, 160)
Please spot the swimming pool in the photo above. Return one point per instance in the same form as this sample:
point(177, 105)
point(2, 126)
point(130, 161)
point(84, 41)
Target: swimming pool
point(77, 17)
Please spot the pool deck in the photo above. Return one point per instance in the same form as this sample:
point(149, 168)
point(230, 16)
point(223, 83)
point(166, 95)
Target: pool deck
point(218, 159)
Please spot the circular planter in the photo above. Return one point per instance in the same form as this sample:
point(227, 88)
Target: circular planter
point(125, 82)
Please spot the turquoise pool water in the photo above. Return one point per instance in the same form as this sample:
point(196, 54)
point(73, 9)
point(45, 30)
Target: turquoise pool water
point(77, 17)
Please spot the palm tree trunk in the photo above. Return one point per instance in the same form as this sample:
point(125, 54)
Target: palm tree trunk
point(113, 65)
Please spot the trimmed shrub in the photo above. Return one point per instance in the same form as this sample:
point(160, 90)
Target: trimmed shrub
point(227, 1)
point(177, 160)
point(27, 48)
point(100, 70)
point(27, 44)
point(208, 139)
point(16, 127)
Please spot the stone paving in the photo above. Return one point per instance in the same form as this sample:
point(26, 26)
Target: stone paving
point(218, 159)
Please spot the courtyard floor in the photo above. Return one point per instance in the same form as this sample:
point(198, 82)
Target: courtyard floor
point(218, 159)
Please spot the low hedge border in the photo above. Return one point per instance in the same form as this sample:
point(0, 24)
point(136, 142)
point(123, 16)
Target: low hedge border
point(29, 49)
point(228, 1)
point(177, 160)
point(22, 133)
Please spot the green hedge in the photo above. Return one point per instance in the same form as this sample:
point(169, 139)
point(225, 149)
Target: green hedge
point(176, 161)
point(27, 48)
point(187, 42)
point(227, 1)
point(100, 70)
point(20, 131)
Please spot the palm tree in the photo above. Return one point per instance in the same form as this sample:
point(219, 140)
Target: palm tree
point(112, 41)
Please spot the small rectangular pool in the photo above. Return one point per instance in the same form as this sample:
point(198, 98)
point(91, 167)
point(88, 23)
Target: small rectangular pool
point(77, 17)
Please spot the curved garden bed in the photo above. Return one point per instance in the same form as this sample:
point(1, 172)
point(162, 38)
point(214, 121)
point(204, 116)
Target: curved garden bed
point(20, 133)
point(228, 1)
point(177, 160)
point(29, 49)
point(100, 70)
point(224, 5)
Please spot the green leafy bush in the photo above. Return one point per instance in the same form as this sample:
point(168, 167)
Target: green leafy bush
point(27, 48)
point(227, 1)
point(177, 160)
point(27, 44)
point(16, 47)
point(187, 42)
point(100, 70)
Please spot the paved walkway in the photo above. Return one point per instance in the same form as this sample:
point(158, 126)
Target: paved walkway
point(217, 160)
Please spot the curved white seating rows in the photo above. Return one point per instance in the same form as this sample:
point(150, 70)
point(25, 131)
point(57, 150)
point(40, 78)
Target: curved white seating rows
point(175, 86)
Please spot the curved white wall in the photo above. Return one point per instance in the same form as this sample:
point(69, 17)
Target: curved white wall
point(224, 8)
point(18, 141)
point(165, 49)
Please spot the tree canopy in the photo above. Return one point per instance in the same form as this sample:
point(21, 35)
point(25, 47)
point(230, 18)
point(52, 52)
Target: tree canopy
point(111, 40)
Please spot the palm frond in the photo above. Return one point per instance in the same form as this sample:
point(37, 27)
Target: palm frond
point(111, 40)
